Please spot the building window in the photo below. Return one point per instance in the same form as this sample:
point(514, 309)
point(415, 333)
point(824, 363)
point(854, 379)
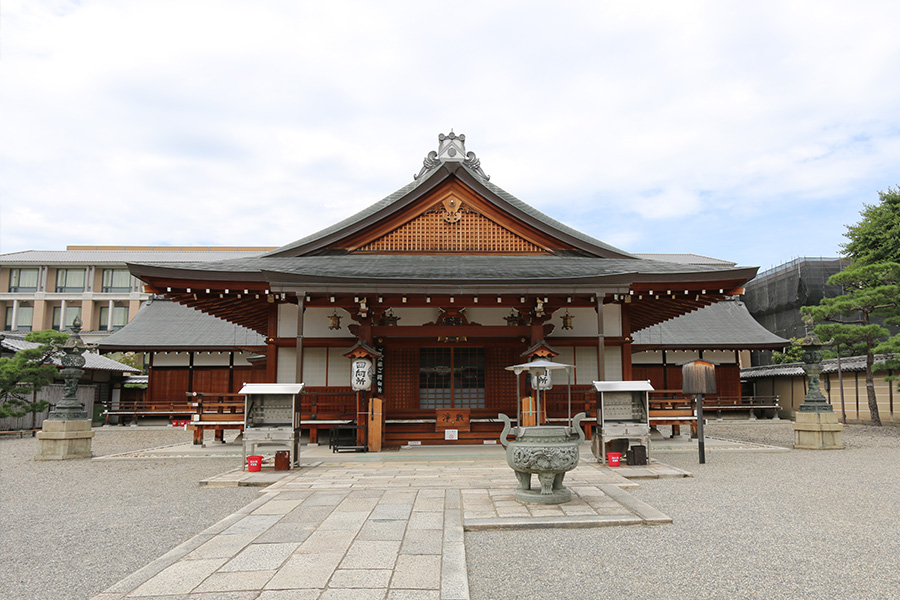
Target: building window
point(116, 280)
point(25, 317)
point(71, 313)
point(23, 280)
point(451, 378)
point(70, 280)
point(120, 318)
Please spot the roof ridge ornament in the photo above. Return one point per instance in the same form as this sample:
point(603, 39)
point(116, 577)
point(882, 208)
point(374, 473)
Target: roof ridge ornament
point(451, 148)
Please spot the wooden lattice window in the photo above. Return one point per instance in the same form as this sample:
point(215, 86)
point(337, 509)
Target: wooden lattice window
point(500, 383)
point(451, 377)
point(401, 378)
point(469, 232)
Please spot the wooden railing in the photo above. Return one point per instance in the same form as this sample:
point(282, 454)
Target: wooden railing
point(556, 401)
point(765, 405)
point(217, 412)
point(325, 408)
point(128, 409)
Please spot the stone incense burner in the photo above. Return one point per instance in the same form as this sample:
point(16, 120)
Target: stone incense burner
point(548, 451)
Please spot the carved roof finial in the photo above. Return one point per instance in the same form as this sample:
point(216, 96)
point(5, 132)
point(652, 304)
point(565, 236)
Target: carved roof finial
point(451, 148)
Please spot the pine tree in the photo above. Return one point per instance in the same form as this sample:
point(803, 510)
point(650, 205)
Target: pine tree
point(871, 290)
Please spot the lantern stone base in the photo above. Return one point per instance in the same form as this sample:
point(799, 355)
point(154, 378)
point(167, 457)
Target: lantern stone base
point(557, 496)
point(62, 440)
point(817, 431)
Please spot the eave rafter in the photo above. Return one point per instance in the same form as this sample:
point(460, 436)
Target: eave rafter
point(248, 305)
point(646, 311)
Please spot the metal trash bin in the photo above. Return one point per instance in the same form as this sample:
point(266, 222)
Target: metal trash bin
point(637, 455)
point(282, 460)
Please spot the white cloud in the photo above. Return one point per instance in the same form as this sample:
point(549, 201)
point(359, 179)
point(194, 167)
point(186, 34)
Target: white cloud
point(237, 122)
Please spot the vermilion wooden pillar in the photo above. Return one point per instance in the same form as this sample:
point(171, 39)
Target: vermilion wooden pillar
point(271, 346)
point(627, 374)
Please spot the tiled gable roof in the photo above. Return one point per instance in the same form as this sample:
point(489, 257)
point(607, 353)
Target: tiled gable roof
point(723, 325)
point(162, 324)
point(92, 360)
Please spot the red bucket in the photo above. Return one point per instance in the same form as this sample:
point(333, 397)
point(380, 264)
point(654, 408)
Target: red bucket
point(613, 458)
point(254, 463)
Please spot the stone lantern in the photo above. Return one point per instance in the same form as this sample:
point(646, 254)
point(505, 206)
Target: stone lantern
point(66, 433)
point(816, 427)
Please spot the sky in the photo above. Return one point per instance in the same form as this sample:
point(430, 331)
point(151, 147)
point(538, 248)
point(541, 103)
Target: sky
point(753, 132)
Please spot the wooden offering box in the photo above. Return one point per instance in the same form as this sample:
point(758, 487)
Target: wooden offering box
point(623, 413)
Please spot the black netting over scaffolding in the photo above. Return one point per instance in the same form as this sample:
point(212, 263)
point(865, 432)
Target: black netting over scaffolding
point(775, 297)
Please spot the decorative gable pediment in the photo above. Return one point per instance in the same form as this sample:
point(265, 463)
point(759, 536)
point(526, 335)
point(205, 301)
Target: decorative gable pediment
point(452, 219)
point(451, 207)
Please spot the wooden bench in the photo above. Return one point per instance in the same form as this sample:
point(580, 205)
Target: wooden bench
point(324, 409)
point(673, 411)
point(129, 410)
point(749, 403)
point(347, 437)
point(217, 412)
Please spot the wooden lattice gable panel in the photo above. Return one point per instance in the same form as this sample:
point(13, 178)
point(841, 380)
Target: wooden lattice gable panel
point(453, 219)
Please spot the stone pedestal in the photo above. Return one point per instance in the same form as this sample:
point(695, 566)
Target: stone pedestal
point(62, 440)
point(817, 431)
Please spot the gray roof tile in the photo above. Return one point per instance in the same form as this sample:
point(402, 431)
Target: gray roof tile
point(92, 361)
point(848, 364)
point(165, 324)
point(442, 268)
point(116, 257)
point(726, 324)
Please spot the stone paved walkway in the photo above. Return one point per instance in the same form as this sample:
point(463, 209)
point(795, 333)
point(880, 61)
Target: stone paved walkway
point(380, 528)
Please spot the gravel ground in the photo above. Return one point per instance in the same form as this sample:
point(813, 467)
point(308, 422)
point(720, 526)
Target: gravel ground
point(799, 524)
point(71, 529)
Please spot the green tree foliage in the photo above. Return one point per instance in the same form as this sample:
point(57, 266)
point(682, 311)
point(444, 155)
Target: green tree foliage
point(871, 290)
point(47, 336)
point(26, 372)
point(131, 359)
point(791, 354)
point(876, 238)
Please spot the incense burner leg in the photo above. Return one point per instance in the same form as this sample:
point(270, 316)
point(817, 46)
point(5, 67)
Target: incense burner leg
point(547, 483)
point(524, 480)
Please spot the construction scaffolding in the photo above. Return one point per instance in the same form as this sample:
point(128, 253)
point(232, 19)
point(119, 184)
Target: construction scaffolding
point(775, 296)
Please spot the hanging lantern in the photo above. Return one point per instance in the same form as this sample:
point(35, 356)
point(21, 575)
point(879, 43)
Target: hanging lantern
point(361, 374)
point(567, 320)
point(541, 379)
point(512, 318)
point(334, 321)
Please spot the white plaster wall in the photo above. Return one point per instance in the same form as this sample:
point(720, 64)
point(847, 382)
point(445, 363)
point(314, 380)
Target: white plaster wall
point(614, 364)
point(415, 316)
point(647, 358)
point(287, 366)
point(584, 323)
point(215, 359)
point(287, 320)
point(314, 366)
point(585, 360)
point(240, 359)
point(722, 357)
point(486, 316)
point(612, 320)
point(586, 363)
point(566, 357)
point(316, 322)
point(171, 359)
point(674, 357)
point(338, 367)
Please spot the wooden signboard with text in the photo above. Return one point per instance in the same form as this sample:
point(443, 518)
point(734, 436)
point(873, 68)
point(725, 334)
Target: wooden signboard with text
point(452, 418)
